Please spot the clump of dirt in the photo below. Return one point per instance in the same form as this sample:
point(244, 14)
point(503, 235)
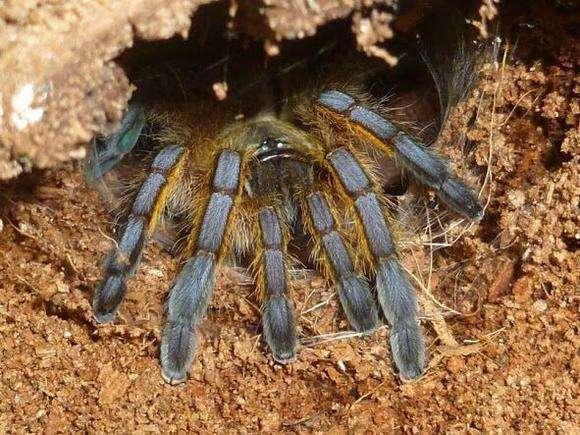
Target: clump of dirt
point(503, 353)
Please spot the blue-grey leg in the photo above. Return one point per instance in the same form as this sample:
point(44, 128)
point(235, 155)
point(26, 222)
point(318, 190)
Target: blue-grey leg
point(191, 292)
point(433, 171)
point(106, 153)
point(124, 258)
point(422, 162)
point(353, 290)
point(277, 312)
point(395, 294)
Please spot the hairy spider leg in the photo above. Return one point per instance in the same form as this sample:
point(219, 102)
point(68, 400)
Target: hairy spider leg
point(277, 311)
point(395, 293)
point(123, 259)
point(191, 292)
point(330, 249)
point(353, 290)
point(106, 153)
point(422, 162)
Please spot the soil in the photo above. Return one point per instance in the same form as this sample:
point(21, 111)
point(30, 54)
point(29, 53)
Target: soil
point(503, 354)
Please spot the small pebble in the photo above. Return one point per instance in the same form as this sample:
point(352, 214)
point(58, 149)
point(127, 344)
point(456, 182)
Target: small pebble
point(522, 289)
point(221, 90)
point(517, 198)
point(540, 305)
point(62, 287)
point(455, 364)
point(155, 272)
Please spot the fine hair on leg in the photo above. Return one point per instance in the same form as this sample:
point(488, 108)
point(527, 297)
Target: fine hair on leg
point(424, 164)
point(395, 293)
point(123, 259)
point(354, 293)
point(277, 311)
point(191, 292)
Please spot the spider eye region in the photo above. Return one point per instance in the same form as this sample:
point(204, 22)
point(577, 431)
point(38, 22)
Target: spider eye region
point(272, 148)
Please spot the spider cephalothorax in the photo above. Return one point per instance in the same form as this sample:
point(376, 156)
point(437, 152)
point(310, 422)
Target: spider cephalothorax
point(245, 189)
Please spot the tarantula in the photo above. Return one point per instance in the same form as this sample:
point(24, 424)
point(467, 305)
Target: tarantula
point(247, 187)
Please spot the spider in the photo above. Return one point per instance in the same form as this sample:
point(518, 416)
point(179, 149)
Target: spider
point(247, 187)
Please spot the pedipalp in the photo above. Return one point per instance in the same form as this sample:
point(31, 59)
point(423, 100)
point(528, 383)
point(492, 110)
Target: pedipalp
point(148, 205)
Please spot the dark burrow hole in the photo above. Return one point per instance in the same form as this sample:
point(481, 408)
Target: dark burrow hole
point(554, 157)
point(539, 29)
point(197, 70)
point(572, 243)
point(190, 70)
